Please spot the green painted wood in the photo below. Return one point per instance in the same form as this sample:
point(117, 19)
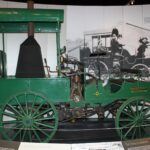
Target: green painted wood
point(23, 27)
point(15, 20)
point(31, 15)
point(55, 89)
point(105, 96)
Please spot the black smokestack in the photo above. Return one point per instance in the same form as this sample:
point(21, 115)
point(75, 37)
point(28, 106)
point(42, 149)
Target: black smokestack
point(30, 63)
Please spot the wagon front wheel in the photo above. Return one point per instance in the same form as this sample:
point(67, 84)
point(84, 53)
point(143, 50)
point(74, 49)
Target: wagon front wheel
point(133, 118)
point(29, 117)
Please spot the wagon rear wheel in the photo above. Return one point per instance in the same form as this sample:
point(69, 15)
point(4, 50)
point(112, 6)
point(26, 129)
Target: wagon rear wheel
point(29, 117)
point(133, 118)
point(144, 71)
point(99, 70)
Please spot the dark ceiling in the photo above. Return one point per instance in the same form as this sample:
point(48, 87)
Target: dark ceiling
point(89, 2)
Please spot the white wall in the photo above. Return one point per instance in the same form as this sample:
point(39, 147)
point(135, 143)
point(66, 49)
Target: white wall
point(100, 19)
point(46, 41)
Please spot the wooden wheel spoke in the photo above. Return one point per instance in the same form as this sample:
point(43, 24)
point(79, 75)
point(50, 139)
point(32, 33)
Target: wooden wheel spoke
point(137, 107)
point(11, 122)
point(37, 109)
point(128, 125)
point(147, 116)
point(140, 132)
point(36, 135)
point(134, 133)
point(131, 109)
point(16, 134)
point(10, 115)
point(21, 108)
point(145, 111)
point(46, 118)
point(143, 105)
point(146, 122)
point(33, 103)
point(126, 113)
point(24, 134)
point(129, 130)
point(26, 104)
point(143, 130)
point(42, 131)
point(126, 120)
point(29, 135)
point(43, 112)
point(45, 125)
point(14, 109)
point(18, 126)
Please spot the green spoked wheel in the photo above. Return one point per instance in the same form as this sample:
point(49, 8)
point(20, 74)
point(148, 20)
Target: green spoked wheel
point(29, 117)
point(133, 118)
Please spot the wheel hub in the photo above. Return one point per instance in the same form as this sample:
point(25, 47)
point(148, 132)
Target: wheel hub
point(28, 121)
point(139, 120)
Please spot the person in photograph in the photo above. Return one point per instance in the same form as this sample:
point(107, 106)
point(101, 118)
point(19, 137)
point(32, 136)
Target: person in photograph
point(85, 52)
point(116, 47)
point(142, 48)
point(100, 48)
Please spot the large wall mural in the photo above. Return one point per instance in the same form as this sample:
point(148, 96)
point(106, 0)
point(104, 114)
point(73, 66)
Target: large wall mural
point(112, 42)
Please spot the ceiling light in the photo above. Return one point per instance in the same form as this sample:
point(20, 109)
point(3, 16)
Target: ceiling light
point(131, 2)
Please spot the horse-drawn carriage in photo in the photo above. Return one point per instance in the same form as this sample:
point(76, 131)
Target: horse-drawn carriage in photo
point(112, 60)
point(32, 105)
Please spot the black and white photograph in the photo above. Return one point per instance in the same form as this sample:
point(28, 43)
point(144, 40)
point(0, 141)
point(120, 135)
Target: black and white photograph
point(110, 40)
